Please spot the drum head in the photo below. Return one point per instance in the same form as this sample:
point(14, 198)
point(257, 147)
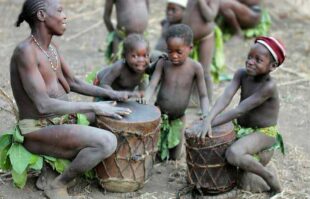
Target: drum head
point(140, 112)
point(144, 119)
point(217, 131)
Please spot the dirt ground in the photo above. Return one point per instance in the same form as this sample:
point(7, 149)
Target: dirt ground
point(81, 46)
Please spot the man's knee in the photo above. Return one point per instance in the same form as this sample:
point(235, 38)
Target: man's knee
point(233, 155)
point(106, 143)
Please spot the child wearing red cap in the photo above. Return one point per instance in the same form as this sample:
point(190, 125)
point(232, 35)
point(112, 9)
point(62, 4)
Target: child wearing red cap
point(256, 115)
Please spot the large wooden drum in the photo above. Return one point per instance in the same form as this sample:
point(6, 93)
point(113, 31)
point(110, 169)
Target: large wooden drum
point(129, 167)
point(208, 170)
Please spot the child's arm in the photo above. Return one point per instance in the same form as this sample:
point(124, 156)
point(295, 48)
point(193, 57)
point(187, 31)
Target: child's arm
point(202, 90)
point(209, 10)
point(108, 75)
point(255, 100)
point(154, 81)
point(223, 101)
point(107, 15)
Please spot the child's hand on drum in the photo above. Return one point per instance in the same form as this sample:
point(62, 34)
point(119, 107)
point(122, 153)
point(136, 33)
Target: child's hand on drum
point(206, 129)
point(108, 110)
point(120, 95)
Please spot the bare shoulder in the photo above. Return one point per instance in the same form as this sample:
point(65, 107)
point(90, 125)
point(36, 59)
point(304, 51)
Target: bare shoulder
point(195, 65)
point(24, 52)
point(115, 68)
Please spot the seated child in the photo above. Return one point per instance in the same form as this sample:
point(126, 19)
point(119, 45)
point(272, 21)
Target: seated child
point(240, 14)
point(174, 15)
point(127, 74)
point(132, 17)
point(257, 113)
point(200, 16)
point(176, 75)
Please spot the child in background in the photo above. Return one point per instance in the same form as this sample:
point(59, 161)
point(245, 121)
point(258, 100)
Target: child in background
point(200, 16)
point(174, 15)
point(131, 17)
point(127, 74)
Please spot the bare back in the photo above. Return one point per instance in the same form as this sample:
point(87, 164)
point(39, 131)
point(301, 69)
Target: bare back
point(194, 18)
point(266, 114)
point(132, 15)
point(55, 82)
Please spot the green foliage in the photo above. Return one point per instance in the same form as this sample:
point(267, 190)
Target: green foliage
point(169, 135)
point(91, 76)
point(82, 119)
point(261, 29)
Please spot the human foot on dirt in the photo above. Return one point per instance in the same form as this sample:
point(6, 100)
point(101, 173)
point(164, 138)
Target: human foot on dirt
point(58, 190)
point(274, 184)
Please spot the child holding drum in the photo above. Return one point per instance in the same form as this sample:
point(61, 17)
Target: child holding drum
point(256, 115)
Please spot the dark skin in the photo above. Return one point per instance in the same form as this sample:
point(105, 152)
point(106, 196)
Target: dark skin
point(258, 108)
point(177, 77)
point(126, 76)
point(200, 16)
point(131, 16)
point(41, 92)
point(174, 15)
point(239, 15)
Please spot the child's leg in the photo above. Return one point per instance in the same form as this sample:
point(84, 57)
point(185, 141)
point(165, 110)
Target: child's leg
point(206, 47)
point(240, 155)
point(176, 152)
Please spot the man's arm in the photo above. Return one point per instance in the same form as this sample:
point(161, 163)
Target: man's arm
point(246, 105)
point(108, 8)
point(154, 81)
point(84, 88)
point(36, 90)
point(209, 10)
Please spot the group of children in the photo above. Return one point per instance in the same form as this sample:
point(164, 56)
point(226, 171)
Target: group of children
point(192, 23)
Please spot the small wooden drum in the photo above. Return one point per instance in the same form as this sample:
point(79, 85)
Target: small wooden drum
point(208, 170)
point(129, 167)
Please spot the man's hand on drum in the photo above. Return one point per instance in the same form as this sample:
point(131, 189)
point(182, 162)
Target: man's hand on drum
point(106, 109)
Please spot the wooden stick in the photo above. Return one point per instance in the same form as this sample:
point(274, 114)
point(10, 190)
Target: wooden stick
point(10, 101)
point(84, 31)
point(294, 82)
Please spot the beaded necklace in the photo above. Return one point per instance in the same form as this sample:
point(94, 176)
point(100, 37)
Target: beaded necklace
point(45, 53)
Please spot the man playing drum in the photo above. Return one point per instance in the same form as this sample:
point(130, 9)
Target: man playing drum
point(41, 80)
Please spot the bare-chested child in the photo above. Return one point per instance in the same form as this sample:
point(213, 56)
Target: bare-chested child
point(257, 113)
point(239, 14)
point(131, 16)
point(200, 16)
point(41, 80)
point(176, 76)
point(127, 74)
point(174, 15)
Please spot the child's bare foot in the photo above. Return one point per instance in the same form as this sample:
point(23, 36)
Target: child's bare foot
point(274, 184)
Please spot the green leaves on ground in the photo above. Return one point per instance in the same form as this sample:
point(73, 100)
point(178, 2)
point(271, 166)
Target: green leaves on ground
point(15, 158)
